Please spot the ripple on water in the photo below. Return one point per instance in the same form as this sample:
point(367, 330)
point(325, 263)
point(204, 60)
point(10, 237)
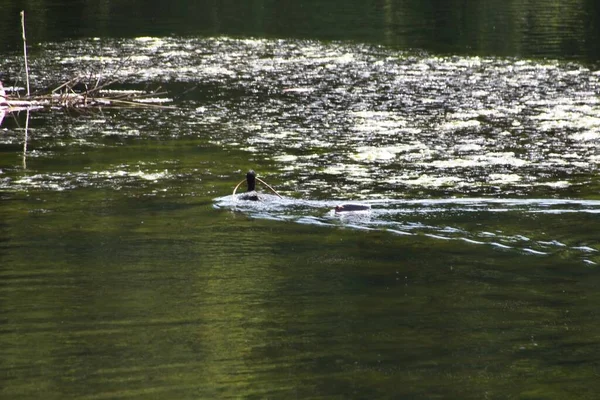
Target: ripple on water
point(462, 220)
point(350, 120)
point(114, 179)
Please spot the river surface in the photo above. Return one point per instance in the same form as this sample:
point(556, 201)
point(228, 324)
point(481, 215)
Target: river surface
point(128, 269)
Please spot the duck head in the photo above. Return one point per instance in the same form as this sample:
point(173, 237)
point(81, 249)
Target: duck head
point(251, 180)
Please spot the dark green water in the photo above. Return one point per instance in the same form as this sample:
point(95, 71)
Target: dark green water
point(548, 28)
point(128, 271)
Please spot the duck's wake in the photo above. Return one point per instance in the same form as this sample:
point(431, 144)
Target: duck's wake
point(529, 226)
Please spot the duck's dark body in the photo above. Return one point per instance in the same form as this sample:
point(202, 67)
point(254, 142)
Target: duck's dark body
point(352, 207)
point(252, 196)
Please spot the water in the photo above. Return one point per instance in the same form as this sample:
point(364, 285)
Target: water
point(128, 270)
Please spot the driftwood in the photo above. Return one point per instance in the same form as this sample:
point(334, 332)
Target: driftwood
point(79, 93)
point(76, 94)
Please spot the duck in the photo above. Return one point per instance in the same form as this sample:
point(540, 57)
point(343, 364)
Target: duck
point(251, 193)
point(352, 207)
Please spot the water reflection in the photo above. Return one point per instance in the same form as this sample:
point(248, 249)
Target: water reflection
point(545, 28)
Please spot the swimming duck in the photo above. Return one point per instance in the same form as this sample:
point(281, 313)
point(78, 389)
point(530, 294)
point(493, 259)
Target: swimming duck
point(352, 207)
point(251, 193)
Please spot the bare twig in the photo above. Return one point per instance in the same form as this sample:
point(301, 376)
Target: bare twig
point(269, 186)
point(25, 50)
point(67, 83)
point(25, 141)
point(237, 186)
point(261, 181)
point(95, 93)
point(132, 103)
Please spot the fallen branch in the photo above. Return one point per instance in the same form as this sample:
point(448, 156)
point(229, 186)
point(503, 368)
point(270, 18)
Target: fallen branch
point(69, 96)
point(79, 93)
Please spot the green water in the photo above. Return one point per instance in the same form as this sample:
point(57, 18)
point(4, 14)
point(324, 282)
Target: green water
point(127, 270)
point(108, 296)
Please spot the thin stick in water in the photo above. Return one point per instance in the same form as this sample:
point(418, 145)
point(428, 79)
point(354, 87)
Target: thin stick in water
point(25, 141)
point(261, 181)
point(25, 51)
point(269, 186)
point(237, 186)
